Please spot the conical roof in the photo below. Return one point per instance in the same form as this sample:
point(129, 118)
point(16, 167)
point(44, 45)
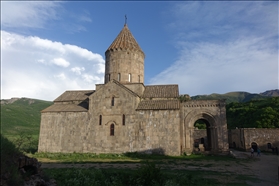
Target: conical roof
point(125, 40)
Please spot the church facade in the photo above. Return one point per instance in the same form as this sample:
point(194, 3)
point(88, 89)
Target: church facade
point(124, 115)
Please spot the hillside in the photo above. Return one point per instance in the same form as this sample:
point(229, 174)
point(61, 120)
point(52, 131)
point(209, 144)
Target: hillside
point(271, 93)
point(238, 96)
point(21, 115)
point(262, 113)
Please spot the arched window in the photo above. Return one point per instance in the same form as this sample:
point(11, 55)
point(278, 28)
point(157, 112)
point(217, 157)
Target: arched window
point(119, 77)
point(123, 119)
point(130, 78)
point(112, 101)
point(139, 78)
point(100, 120)
point(269, 145)
point(112, 129)
point(108, 77)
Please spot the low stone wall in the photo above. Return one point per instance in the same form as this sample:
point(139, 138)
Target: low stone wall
point(266, 139)
point(244, 138)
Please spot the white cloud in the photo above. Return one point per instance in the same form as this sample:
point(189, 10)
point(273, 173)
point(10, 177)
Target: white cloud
point(206, 68)
point(89, 78)
point(28, 68)
point(60, 76)
point(27, 14)
point(60, 62)
point(223, 47)
point(77, 70)
point(85, 18)
point(220, 21)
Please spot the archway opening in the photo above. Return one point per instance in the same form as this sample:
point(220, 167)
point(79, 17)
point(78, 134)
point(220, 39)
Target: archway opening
point(254, 146)
point(204, 136)
point(200, 124)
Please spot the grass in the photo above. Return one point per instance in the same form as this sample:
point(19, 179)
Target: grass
point(199, 171)
point(126, 157)
point(147, 174)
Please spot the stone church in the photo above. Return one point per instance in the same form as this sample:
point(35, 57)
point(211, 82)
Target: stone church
point(124, 115)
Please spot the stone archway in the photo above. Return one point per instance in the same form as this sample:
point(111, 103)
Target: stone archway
point(211, 143)
point(211, 111)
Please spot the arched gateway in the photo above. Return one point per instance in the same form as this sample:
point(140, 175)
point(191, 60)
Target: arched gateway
point(212, 139)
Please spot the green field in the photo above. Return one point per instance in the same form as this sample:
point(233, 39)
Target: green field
point(22, 116)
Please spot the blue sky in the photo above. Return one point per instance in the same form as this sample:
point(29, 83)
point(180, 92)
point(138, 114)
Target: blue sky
point(205, 47)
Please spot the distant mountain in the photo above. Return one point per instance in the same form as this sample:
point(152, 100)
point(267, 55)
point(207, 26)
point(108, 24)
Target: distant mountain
point(21, 115)
point(271, 93)
point(238, 96)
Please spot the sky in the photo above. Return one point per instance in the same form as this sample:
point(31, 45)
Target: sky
point(48, 47)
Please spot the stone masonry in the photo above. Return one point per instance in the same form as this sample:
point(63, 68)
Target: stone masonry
point(245, 138)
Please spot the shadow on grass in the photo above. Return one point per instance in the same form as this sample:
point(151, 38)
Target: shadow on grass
point(157, 155)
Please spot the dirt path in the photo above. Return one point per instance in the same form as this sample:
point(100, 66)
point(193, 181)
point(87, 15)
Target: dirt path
point(264, 167)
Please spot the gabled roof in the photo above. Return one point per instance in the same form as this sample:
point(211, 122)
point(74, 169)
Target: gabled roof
point(159, 105)
point(125, 88)
point(65, 108)
point(125, 40)
point(161, 91)
point(76, 95)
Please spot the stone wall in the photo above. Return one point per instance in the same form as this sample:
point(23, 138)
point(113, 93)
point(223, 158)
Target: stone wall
point(200, 139)
point(236, 138)
point(63, 132)
point(124, 62)
point(124, 104)
point(138, 88)
point(244, 137)
point(157, 131)
point(261, 137)
point(152, 131)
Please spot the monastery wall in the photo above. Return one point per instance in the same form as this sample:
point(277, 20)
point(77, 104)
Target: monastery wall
point(145, 131)
point(236, 138)
point(111, 106)
point(157, 131)
point(262, 137)
point(63, 132)
point(244, 137)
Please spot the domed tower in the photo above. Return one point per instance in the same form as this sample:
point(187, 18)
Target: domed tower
point(124, 59)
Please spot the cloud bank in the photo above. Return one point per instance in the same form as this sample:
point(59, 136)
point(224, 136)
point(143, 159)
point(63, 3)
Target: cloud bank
point(43, 69)
point(223, 47)
point(219, 68)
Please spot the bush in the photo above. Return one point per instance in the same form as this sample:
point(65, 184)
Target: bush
point(149, 174)
point(9, 157)
point(26, 143)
